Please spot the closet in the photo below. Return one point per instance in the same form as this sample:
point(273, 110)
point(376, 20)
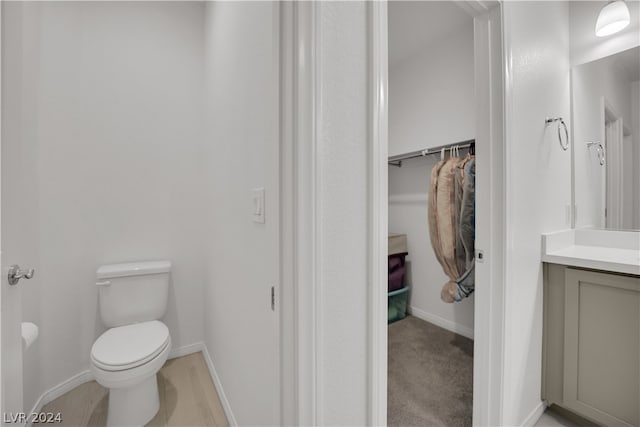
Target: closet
point(431, 125)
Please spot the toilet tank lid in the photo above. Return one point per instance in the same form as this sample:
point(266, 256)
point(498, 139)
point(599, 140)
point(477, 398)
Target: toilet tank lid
point(133, 269)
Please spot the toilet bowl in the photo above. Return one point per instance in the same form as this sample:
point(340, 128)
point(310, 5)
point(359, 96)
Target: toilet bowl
point(125, 360)
point(127, 356)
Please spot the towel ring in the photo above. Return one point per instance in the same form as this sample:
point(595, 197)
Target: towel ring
point(560, 121)
point(600, 151)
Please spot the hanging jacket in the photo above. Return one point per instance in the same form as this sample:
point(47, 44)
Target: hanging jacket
point(460, 191)
point(452, 224)
point(465, 285)
point(468, 212)
point(443, 218)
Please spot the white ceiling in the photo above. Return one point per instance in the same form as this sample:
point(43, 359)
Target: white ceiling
point(415, 24)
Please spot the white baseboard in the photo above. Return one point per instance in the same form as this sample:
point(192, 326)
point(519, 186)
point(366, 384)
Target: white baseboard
point(442, 322)
point(186, 350)
point(535, 415)
point(218, 384)
point(404, 199)
point(86, 376)
point(60, 389)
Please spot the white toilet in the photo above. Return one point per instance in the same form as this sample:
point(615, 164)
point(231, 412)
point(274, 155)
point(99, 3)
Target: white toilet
point(126, 358)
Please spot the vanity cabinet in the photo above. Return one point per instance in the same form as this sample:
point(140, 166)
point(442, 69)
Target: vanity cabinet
point(591, 344)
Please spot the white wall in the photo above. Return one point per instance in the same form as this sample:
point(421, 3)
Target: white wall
point(431, 102)
point(538, 186)
point(241, 153)
point(431, 94)
point(591, 82)
point(112, 131)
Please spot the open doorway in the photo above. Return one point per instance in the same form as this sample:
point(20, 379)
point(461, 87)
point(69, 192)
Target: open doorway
point(445, 100)
point(432, 157)
point(617, 150)
point(431, 142)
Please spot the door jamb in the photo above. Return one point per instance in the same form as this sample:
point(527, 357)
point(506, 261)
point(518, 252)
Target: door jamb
point(300, 321)
point(378, 211)
point(1, 142)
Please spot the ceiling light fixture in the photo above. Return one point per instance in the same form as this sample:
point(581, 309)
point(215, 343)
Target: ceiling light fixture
point(613, 17)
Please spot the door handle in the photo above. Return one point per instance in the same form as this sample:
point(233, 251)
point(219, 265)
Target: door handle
point(15, 274)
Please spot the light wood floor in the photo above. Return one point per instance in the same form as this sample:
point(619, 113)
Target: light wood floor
point(187, 398)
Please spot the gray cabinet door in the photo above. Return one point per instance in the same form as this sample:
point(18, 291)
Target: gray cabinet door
point(602, 347)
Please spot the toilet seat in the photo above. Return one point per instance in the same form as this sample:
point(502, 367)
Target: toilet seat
point(129, 346)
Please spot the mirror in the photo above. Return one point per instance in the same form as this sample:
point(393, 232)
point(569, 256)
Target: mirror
point(606, 141)
point(606, 134)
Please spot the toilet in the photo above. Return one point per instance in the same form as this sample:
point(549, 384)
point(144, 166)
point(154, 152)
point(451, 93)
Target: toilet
point(125, 359)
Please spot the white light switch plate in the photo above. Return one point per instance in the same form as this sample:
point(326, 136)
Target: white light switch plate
point(258, 205)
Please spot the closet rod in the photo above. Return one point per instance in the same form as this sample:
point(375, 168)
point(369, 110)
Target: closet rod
point(397, 159)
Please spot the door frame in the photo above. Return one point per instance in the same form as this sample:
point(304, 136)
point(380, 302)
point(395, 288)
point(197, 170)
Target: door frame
point(10, 316)
point(2, 405)
point(378, 210)
point(492, 86)
point(298, 220)
point(612, 172)
point(301, 310)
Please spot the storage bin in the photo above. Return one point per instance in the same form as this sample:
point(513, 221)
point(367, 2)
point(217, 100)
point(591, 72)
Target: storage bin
point(396, 268)
point(397, 304)
point(396, 271)
point(397, 244)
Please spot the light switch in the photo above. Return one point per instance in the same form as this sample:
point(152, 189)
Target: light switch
point(258, 205)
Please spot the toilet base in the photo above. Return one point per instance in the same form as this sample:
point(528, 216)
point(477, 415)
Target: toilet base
point(133, 406)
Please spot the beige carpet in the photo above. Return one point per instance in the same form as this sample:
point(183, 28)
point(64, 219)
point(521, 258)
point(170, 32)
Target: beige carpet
point(430, 380)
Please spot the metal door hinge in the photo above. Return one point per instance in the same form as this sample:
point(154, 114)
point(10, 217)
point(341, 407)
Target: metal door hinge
point(273, 299)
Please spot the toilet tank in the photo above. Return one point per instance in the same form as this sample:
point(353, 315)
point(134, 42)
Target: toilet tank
point(132, 292)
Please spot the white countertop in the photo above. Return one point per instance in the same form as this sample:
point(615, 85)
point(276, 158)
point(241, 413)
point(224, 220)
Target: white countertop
point(607, 250)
